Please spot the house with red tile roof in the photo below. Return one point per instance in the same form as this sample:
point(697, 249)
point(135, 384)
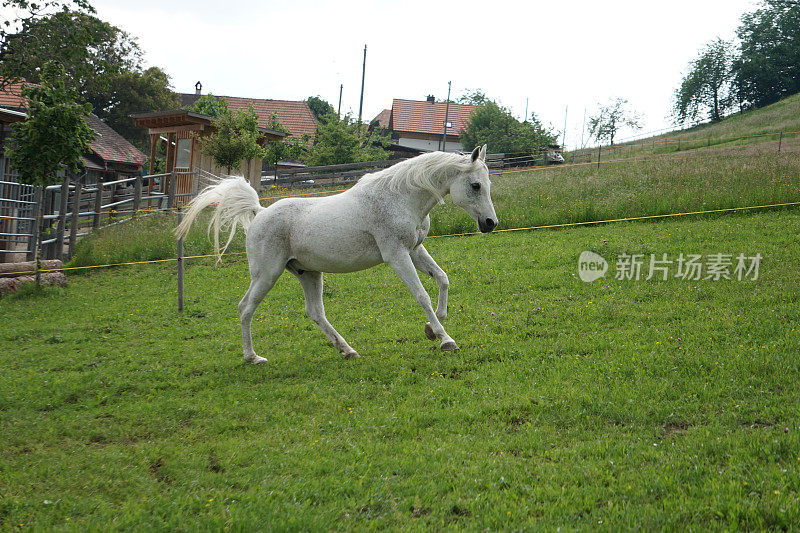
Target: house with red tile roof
point(111, 156)
point(421, 124)
point(381, 121)
point(11, 96)
point(293, 115)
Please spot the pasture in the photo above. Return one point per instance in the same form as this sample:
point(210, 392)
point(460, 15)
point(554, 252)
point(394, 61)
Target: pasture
point(734, 177)
point(611, 405)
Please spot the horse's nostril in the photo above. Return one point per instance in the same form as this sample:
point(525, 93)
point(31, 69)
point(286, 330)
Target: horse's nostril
point(490, 223)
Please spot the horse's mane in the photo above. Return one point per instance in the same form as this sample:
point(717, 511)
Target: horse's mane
point(426, 171)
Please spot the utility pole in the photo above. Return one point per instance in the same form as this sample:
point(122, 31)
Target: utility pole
point(363, 72)
point(564, 135)
point(525, 118)
point(446, 115)
point(339, 111)
point(583, 127)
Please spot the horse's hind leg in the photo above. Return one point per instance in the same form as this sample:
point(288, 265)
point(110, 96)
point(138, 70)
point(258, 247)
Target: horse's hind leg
point(262, 279)
point(312, 289)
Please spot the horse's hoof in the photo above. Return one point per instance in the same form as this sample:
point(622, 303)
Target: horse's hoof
point(429, 332)
point(256, 360)
point(351, 355)
point(449, 346)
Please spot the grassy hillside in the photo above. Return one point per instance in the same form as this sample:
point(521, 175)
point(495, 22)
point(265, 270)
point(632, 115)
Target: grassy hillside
point(615, 405)
point(758, 126)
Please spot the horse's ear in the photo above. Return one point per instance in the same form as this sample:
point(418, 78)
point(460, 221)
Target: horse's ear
point(476, 153)
point(483, 153)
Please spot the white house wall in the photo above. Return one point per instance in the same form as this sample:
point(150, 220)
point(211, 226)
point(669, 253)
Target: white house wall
point(429, 145)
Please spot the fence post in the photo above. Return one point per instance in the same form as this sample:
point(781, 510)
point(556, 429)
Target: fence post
point(599, 149)
point(780, 141)
point(171, 190)
point(33, 241)
point(112, 198)
point(62, 219)
point(137, 194)
point(47, 209)
point(98, 203)
point(37, 232)
point(76, 208)
point(180, 266)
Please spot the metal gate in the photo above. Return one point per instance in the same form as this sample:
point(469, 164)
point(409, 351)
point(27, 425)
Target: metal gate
point(17, 220)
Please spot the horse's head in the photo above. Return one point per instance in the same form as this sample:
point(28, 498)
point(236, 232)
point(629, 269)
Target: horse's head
point(471, 191)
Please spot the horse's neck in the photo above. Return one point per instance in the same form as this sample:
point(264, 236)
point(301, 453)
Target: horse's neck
point(421, 202)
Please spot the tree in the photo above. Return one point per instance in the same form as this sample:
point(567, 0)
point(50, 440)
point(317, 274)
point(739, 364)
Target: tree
point(320, 108)
point(84, 46)
point(472, 97)
point(495, 126)
point(708, 84)
point(208, 104)
point(284, 149)
point(342, 141)
point(130, 92)
point(26, 13)
point(235, 140)
point(101, 62)
point(768, 67)
point(605, 125)
point(56, 134)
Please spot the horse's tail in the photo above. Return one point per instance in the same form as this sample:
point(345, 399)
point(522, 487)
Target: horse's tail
point(236, 203)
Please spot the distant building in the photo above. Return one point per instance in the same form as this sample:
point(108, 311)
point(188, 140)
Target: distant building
point(111, 156)
point(381, 122)
point(293, 115)
point(181, 133)
point(420, 125)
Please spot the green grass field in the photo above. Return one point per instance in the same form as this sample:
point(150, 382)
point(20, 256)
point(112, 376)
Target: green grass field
point(611, 405)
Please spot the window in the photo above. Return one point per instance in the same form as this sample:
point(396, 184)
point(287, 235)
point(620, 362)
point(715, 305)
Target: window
point(184, 153)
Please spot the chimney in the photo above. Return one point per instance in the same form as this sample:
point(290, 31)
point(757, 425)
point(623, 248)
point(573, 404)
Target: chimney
point(198, 88)
point(431, 98)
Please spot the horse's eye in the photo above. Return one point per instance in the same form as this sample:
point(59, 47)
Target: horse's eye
point(476, 186)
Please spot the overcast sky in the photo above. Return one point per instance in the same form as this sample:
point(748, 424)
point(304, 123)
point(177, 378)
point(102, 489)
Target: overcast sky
point(571, 53)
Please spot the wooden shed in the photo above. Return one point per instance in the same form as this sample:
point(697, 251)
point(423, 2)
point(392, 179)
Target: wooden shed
point(182, 133)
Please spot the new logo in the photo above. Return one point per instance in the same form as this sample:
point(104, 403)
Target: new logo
point(591, 266)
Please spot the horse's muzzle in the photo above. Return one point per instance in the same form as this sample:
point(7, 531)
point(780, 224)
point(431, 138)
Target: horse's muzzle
point(487, 225)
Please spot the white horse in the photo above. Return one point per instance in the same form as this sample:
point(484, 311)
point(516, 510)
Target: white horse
point(381, 219)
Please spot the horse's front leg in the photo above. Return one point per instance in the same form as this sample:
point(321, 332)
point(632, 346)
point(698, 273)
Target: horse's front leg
point(400, 260)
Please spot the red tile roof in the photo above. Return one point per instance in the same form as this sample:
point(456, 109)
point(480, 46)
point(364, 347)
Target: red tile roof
point(107, 144)
point(415, 116)
point(294, 116)
point(11, 96)
point(111, 146)
point(382, 120)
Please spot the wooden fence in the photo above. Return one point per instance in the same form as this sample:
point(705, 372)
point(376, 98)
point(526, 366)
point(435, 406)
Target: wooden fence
point(62, 213)
point(328, 174)
point(352, 172)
